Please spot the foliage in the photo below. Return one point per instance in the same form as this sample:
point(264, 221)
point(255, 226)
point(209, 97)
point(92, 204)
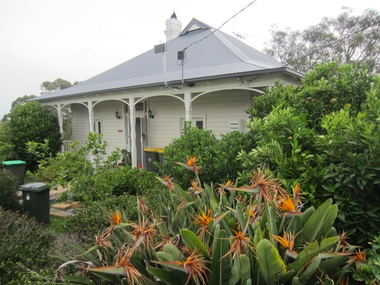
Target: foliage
point(8, 191)
point(56, 85)
point(218, 154)
point(24, 247)
point(252, 234)
point(227, 148)
point(347, 39)
point(6, 148)
point(68, 165)
point(32, 122)
point(18, 101)
point(193, 142)
point(325, 136)
point(369, 272)
point(279, 94)
point(331, 87)
point(93, 217)
point(351, 151)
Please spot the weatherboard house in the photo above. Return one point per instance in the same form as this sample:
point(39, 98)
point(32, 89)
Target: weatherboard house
point(199, 74)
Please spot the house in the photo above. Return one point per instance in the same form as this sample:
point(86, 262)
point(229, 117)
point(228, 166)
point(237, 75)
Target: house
point(200, 75)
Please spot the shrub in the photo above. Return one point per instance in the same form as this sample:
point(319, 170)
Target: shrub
point(93, 218)
point(24, 246)
point(217, 236)
point(8, 191)
point(33, 122)
point(369, 272)
point(226, 166)
point(110, 189)
point(325, 136)
point(220, 155)
point(193, 142)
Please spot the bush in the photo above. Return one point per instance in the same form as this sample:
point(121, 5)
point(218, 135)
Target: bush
point(110, 189)
point(33, 122)
point(24, 245)
point(324, 135)
point(93, 218)
point(193, 142)
point(369, 272)
point(220, 155)
point(8, 191)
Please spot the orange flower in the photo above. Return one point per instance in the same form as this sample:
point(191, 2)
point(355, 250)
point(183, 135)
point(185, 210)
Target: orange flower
point(167, 181)
point(225, 186)
point(144, 233)
point(203, 220)
point(287, 205)
point(287, 242)
point(297, 195)
point(195, 189)
point(268, 187)
point(131, 272)
point(191, 164)
point(240, 243)
point(115, 218)
point(194, 265)
point(360, 256)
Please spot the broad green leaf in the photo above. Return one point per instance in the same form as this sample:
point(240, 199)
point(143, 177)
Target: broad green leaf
point(114, 270)
point(169, 277)
point(241, 271)
point(220, 267)
point(270, 262)
point(314, 224)
point(328, 222)
point(192, 241)
point(310, 270)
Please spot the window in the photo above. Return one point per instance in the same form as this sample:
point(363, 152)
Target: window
point(98, 126)
point(198, 121)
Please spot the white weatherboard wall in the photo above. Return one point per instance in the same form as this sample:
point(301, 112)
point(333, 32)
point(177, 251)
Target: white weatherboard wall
point(165, 125)
point(80, 127)
point(113, 129)
point(223, 107)
point(218, 109)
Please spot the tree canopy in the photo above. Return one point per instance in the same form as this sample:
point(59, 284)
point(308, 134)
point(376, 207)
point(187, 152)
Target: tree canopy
point(56, 85)
point(33, 122)
point(346, 39)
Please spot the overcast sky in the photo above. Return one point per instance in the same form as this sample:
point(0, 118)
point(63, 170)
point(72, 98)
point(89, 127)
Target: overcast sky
point(42, 40)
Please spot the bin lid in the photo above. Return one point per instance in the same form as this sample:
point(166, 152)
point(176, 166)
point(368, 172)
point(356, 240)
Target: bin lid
point(154, 149)
point(34, 187)
point(13, 162)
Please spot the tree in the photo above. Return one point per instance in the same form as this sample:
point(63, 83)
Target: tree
point(345, 39)
point(56, 85)
point(32, 122)
point(19, 100)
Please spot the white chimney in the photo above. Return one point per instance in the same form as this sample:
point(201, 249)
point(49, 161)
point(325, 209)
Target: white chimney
point(173, 27)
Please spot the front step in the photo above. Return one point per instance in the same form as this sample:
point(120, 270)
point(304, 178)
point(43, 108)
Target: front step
point(61, 214)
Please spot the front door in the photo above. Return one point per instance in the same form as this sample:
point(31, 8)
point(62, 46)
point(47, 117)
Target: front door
point(140, 141)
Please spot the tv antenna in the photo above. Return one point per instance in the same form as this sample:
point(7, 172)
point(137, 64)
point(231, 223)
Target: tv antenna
point(239, 36)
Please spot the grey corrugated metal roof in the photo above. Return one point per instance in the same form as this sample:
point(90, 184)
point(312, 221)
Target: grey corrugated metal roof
point(210, 54)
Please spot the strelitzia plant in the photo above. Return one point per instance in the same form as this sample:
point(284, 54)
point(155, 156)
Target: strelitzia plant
point(252, 234)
